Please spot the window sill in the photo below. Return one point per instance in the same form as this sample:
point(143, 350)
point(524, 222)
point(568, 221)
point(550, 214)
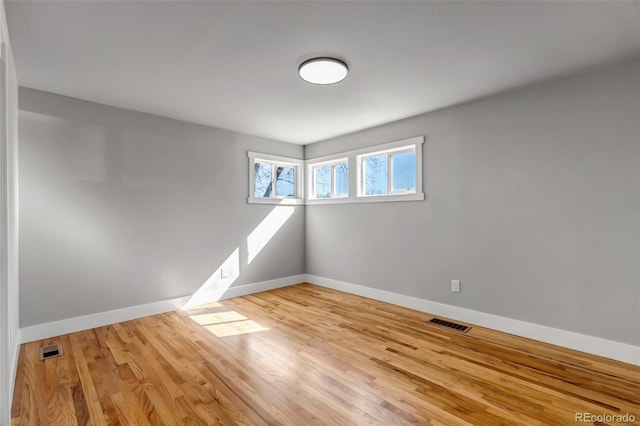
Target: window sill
point(368, 199)
point(278, 201)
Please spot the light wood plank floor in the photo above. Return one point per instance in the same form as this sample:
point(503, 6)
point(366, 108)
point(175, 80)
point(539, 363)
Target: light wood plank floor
point(307, 355)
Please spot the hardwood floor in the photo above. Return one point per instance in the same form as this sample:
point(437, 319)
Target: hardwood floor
point(306, 355)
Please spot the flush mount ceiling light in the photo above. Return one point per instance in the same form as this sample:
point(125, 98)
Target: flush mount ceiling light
point(323, 70)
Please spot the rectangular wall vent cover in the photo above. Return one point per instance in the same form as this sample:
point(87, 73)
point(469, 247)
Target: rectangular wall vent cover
point(47, 352)
point(449, 324)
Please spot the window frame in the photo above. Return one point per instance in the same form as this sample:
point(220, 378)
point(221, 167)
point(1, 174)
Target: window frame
point(311, 178)
point(355, 166)
point(276, 161)
point(389, 153)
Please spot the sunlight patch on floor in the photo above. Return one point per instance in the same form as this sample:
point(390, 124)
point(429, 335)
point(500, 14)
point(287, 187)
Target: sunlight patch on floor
point(223, 323)
point(235, 328)
point(217, 317)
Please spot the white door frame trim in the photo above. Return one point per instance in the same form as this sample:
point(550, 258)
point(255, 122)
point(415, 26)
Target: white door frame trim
point(6, 384)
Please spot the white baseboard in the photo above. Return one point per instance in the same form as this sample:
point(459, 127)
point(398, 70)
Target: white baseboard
point(594, 345)
point(85, 322)
point(243, 290)
point(71, 325)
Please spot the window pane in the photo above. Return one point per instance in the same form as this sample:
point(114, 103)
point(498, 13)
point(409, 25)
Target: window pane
point(263, 185)
point(323, 181)
point(342, 180)
point(375, 175)
point(285, 181)
point(404, 171)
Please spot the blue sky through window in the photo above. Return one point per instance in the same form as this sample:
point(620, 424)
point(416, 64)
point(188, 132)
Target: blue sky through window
point(375, 175)
point(404, 171)
point(323, 181)
point(342, 180)
point(262, 180)
point(285, 184)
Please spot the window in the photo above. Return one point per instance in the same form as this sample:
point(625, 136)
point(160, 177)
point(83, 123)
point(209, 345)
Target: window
point(274, 179)
point(387, 172)
point(329, 180)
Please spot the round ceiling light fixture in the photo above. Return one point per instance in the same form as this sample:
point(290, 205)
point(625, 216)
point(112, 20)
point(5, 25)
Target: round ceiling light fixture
point(323, 71)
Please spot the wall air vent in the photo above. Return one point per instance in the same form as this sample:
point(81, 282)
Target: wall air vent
point(449, 324)
point(51, 351)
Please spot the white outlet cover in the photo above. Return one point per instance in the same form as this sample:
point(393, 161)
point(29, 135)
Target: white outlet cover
point(455, 286)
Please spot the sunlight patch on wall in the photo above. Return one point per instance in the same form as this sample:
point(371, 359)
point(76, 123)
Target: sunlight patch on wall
point(218, 283)
point(264, 232)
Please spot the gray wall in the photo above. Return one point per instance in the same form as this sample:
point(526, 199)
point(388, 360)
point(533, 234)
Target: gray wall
point(120, 208)
point(532, 201)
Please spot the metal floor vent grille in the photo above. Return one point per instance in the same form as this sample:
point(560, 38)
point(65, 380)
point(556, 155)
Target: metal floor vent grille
point(47, 352)
point(449, 324)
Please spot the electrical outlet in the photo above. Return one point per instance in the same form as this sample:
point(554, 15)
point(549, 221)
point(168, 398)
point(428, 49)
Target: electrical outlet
point(224, 273)
point(455, 286)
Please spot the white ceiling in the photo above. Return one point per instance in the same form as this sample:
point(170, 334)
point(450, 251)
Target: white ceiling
point(234, 64)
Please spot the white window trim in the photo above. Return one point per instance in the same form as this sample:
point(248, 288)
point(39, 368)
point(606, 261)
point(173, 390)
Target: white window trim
point(298, 166)
point(355, 179)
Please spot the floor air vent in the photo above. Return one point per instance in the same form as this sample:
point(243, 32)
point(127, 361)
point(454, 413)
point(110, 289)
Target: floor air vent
point(449, 324)
point(47, 352)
